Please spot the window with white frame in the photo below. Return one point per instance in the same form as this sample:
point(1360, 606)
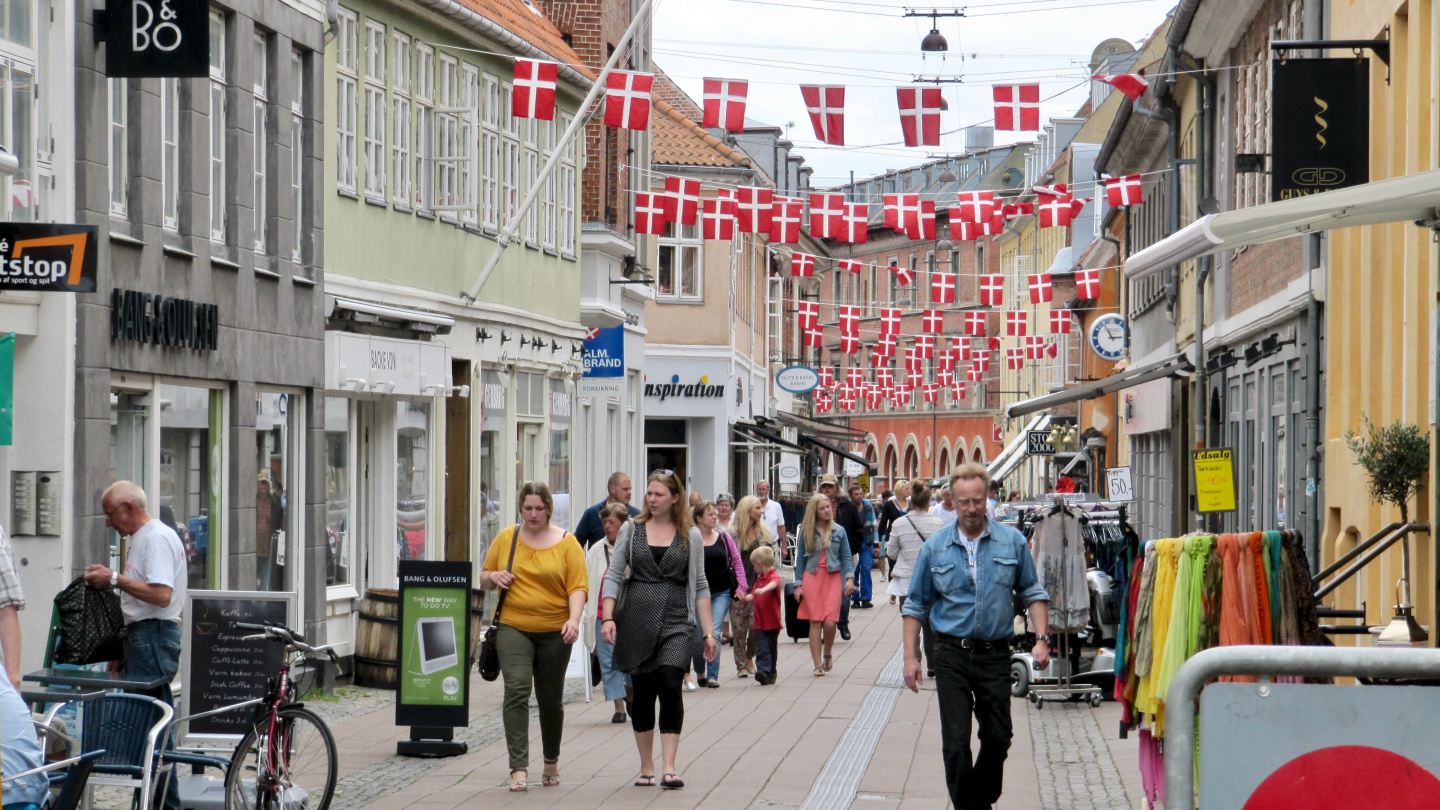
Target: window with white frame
point(262, 100)
point(490, 153)
point(18, 120)
point(217, 127)
point(678, 275)
point(297, 155)
point(424, 88)
point(374, 110)
point(346, 100)
point(447, 132)
point(547, 202)
point(470, 101)
point(119, 146)
point(532, 169)
point(567, 192)
point(510, 158)
point(170, 152)
point(400, 119)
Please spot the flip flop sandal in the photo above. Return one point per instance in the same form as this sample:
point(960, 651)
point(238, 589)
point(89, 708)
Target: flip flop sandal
point(671, 781)
point(819, 672)
point(829, 664)
point(550, 780)
point(645, 780)
point(518, 786)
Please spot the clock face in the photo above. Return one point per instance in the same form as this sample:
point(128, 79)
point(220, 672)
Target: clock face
point(1107, 337)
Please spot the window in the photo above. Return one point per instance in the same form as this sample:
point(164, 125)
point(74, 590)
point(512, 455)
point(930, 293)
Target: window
point(559, 478)
point(346, 112)
point(532, 170)
point(490, 153)
point(400, 120)
point(447, 133)
point(119, 148)
point(297, 154)
point(374, 110)
point(170, 151)
point(412, 478)
point(191, 447)
point(261, 85)
point(470, 100)
point(547, 200)
point(510, 160)
point(275, 444)
point(679, 263)
point(492, 466)
point(567, 192)
point(338, 513)
point(217, 127)
point(424, 88)
point(17, 125)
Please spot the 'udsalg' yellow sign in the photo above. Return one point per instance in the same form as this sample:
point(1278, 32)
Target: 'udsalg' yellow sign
point(1215, 480)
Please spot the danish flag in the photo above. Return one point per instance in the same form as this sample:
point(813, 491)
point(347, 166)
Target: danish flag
point(849, 344)
point(827, 216)
point(975, 206)
point(1077, 204)
point(822, 402)
point(591, 332)
point(878, 358)
point(1017, 107)
point(874, 398)
point(853, 265)
point(962, 230)
point(1017, 322)
point(533, 92)
point(857, 225)
point(920, 115)
point(1059, 321)
point(827, 377)
point(1125, 190)
point(885, 345)
point(914, 363)
point(802, 264)
point(846, 404)
point(1055, 211)
point(932, 391)
point(849, 317)
point(885, 378)
point(945, 375)
point(889, 321)
point(900, 398)
point(854, 375)
point(627, 99)
point(922, 227)
point(903, 274)
point(814, 338)
point(1131, 84)
point(925, 346)
point(754, 205)
point(942, 288)
point(994, 343)
point(957, 391)
point(993, 226)
point(807, 314)
point(725, 103)
point(973, 373)
point(992, 291)
point(785, 222)
point(1051, 190)
point(1041, 290)
point(947, 360)
point(718, 219)
point(1087, 284)
point(932, 321)
point(901, 210)
point(1052, 349)
point(649, 213)
point(826, 105)
point(1015, 359)
point(683, 203)
point(1035, 347)
point(975, 323)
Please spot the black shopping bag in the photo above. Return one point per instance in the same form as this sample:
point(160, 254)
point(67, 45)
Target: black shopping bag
point(92, 628)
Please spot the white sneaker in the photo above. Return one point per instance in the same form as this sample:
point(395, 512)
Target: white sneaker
point(691, 686)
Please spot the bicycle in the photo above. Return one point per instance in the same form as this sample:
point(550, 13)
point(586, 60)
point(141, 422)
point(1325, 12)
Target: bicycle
point(287, 758)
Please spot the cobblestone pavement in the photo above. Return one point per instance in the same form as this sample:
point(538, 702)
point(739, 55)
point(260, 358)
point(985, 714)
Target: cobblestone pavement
point(351, 701)
point(1073, 765)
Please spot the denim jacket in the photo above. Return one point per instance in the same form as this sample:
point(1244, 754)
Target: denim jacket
point(837, 549)
point(942, 591)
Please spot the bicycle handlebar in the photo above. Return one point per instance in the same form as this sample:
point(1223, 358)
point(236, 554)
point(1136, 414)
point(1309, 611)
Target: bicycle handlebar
point(279, 632)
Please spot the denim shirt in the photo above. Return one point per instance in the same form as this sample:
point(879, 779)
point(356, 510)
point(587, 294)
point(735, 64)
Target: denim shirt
point(837, 549)
point(941, 589)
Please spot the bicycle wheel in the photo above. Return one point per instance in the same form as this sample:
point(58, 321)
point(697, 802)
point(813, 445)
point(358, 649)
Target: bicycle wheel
point(292, 769)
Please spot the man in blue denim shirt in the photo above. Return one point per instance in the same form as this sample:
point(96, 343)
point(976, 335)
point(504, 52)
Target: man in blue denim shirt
point(966, 577)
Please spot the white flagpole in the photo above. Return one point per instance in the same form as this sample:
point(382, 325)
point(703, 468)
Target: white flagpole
point(512, 228)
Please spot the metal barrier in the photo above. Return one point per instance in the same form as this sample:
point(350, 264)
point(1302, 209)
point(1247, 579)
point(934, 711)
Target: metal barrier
point(1266, 661)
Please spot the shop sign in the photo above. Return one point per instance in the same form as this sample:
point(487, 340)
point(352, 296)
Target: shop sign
point(221, 667)
point(1038, 443)
point(434, 688)
point(701, 389)
point(1119, 485)
point(789, 469)
point(1215, 480)
point(149, 318)
point(604, 363)
point(155, 38)
point(1320, 131)
point(47, 258)
point(1107, 337)
point(853, 468)
point(798, 379)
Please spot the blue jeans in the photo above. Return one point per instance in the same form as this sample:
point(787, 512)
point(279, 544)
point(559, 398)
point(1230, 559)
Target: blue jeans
point(613, 679)
point(152, 650)
point(719, 609)
point(767, 651)
point(863, 583)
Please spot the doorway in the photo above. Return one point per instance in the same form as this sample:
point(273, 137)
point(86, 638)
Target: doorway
point(457, 466)
point(667, 447)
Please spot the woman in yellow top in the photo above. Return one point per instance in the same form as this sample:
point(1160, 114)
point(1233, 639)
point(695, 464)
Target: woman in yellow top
point(545, 595)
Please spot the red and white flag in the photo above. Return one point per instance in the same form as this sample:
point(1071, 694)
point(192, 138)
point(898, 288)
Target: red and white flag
point(852, 265)
point(1077, 204)
point(845, 404)
point(931, 391)
point(785, 222)
point(814, 338)
point(1035, 347)
point(627, 99)
point(822, 402)
point(945, 375)
point(718, 219)
point(1017, 322)
point(993, 226)
point(947, 360)
point(932, 320)
point(1131, 84)
point(925, 346)
point(849, 318)
point(827, 216)
point(802, 264)
point(754, 204)
point(974, 371)
point(886, 344)
point(975, 324)
point(1059, 321)
point(923, 226)
point(1041, 290)
point(826, 105)
point(957, 391)
point(874, 398)
point(532, 94)
point(649, 213)
point(849, 344)
point(885, 378)
point(903, 274)
point(975, 206)
point(854, 376)
point(1087, 284)
point(889, 321)
point(1051, 190)
point(684, 199)
point(900, 398)
point(1015, 359)
point(920, 115)
point(914, 363)
point(993, 343)
point(962, 230)
point(724, 101)
point(992, 291)
point(1052, 349)
point(942, 288)
point(901, 210)
point(1124, 190)
point(1017, 107)
point(857, 225)
point(1055, 211)
point(807, 314)
point(827, 377)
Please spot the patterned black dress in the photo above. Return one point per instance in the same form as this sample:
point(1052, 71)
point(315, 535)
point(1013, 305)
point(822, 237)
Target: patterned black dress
point(654, 629)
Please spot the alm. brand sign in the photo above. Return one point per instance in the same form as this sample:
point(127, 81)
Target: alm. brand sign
point(156, 38)
point(798, 379)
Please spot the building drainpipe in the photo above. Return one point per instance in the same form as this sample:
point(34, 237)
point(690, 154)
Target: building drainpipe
point(1312, 248)
point(1206, 264)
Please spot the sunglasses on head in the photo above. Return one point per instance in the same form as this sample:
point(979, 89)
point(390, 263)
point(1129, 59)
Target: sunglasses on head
point(666, 473)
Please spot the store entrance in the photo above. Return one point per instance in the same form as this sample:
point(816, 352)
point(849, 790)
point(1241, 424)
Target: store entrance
point(667, 447)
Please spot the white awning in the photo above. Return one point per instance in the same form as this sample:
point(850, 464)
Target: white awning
point(1401, 199)
point(1170, 366)
point(1017, 447)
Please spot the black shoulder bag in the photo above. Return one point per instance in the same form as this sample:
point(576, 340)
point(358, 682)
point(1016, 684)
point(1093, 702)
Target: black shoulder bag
point(489, 656)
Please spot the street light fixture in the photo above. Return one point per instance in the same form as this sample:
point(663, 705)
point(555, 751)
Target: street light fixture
point(933, 41)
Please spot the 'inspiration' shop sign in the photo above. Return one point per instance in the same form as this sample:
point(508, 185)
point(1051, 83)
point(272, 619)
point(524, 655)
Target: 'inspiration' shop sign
point(674, 388)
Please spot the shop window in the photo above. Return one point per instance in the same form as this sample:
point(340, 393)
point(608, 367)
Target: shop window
point(129, 447)
point(491, 446)
point(191, 441)
point(338, 492)
point(274, 459)
point(560, 451)
point(412, 479)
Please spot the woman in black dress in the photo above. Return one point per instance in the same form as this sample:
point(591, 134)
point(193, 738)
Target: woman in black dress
point(658, 563)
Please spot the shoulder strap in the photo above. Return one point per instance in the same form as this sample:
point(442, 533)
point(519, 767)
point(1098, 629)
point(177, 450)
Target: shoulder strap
point(514, 541)
point(923, 538)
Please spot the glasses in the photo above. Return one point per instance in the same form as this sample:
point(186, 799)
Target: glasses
point(666, 473)
point(724, 497)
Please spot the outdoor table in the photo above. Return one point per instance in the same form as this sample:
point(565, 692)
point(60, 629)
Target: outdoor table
point(54, 676)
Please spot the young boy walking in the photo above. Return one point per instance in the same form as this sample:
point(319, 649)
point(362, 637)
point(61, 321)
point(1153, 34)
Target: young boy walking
point(766, 593)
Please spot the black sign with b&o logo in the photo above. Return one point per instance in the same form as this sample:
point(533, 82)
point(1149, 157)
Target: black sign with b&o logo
point(1320, 134)
point(155, 38)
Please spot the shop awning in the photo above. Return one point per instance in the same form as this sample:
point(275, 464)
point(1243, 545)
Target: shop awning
point(1400, 199)
point(750, 430)
point(1174, 365)
point(828, 430)
point(869, 466)
point(1017, 445)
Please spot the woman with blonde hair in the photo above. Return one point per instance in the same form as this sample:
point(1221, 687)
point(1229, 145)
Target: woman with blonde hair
point(750, 534)
point(659, 563)
point(822, 554)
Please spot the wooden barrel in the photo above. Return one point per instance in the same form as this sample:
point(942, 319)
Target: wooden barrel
point(477, 613)
point(377, 639)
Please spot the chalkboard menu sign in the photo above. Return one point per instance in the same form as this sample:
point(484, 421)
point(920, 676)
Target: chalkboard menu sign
point(220, 668)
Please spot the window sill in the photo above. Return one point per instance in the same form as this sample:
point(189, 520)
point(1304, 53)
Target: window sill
point(569, 257)
point(449, 220)
point(303, 281)
point(334, 593)
point(531, 245)
point(402, 208)
point(221, 261)
point(378, 202)
point(421, 212)
point(689, 302)
point(177, 251)
point(126, 239)
point(347, 193)
point(263, 272)
point(551, 251)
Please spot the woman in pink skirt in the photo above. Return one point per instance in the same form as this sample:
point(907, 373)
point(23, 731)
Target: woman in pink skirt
point(822, 553)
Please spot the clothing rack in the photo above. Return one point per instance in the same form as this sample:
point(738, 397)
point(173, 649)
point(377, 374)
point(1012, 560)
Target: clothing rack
point(1066, 689)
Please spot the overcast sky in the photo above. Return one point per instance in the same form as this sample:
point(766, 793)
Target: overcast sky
point(871, 48)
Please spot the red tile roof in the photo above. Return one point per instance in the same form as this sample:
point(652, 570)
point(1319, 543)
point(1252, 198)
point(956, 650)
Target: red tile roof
point(675, 140)
point(517, 18)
